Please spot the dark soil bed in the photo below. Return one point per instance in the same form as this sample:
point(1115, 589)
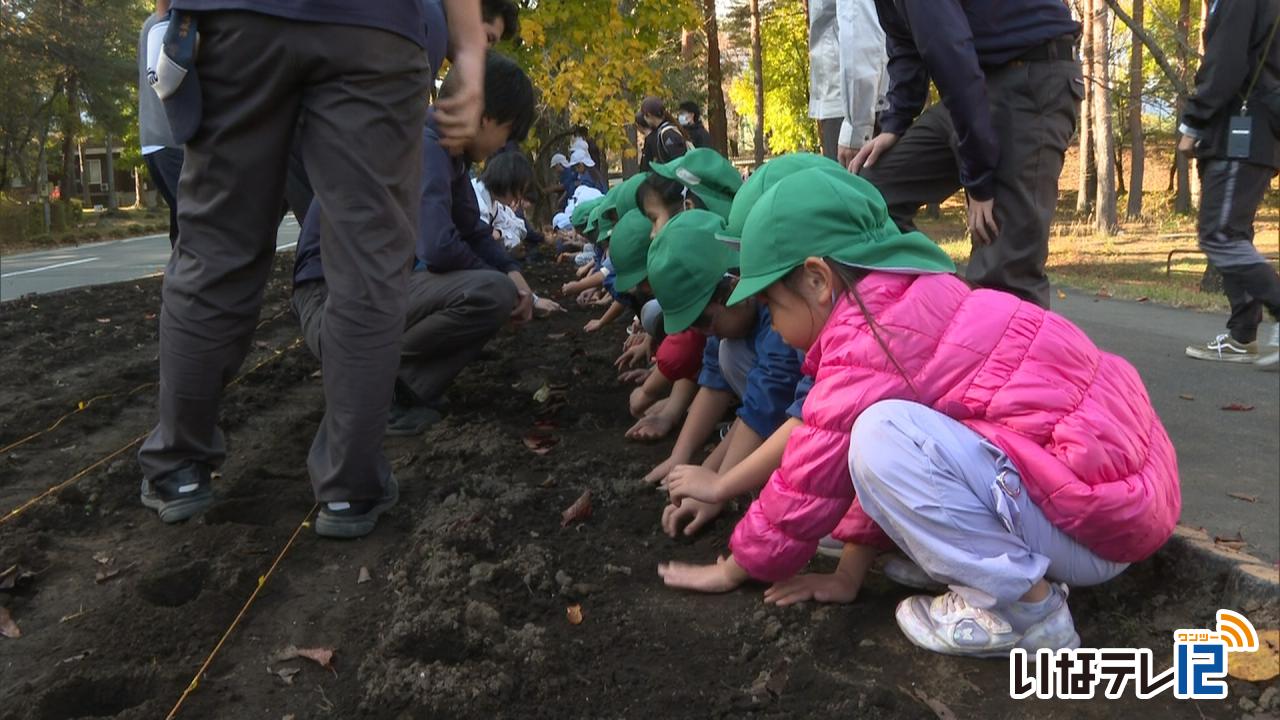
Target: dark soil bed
point(463, 613)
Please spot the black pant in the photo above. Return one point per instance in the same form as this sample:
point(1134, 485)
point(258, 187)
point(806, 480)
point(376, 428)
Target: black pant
point(165, 167)
point(1033, 109)
point(1230, 192)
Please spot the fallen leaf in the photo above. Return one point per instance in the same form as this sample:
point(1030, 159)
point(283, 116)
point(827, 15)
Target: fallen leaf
point(1062, 295)
point(364, 576)
point(549, 483)
point(8, 628)
point(1260, 665)
point(9, 578)
point(105, 575)
point(150, 316)
point(542, 394)
point(75, 658)
point(1237, 407)
point(540, 442)
point(321, 656)
point(1142, 299)
point(574, 613)
point(1185, 396)
point(286, 674)
point(579, 510)
point(1242, 496)
point(72, 616)
point(557, 336)
point(102, 558)
point(1234, 543)
point(104, 321)
point(315, 375)
point(937, 706)
point(1103, 293)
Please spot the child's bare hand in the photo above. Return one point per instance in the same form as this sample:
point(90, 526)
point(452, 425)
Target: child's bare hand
point(632, 357)
point(636, 337)
point(659, 474)
point(693, 481)
point(586, 297)
point(633, 377)
point(723, 576)
point(592, 325)
point(569, 288)
point(640, 402)
point(651, 427)
point(828, 588)
point(696, 514)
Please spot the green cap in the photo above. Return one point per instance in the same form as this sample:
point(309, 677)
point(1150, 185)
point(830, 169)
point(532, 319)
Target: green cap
point(686, 263)
point(593, 218)
point(708, 175)
point(815, 214)
point(766, 177)
point(629, 250)
point(626, 201)
point(582, 211)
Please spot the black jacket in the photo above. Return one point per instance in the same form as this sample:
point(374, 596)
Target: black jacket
point(1234, 38)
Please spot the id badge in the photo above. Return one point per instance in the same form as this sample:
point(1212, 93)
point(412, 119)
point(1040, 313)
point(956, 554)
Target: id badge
point(1239, 135)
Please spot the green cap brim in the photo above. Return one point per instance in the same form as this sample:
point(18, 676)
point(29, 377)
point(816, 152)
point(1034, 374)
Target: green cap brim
point(749, 287)
point(715, 203)
point(627, 281)
point(679, 320)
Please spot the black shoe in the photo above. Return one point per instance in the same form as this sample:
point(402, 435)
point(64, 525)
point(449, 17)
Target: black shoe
point(406, 420)
point(180, 494)
point(356, 519)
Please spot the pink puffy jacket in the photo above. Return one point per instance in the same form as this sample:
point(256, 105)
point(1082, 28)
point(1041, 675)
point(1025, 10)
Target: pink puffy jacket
point(1075, 421)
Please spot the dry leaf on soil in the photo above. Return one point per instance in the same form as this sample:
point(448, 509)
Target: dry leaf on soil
point(1237, 407)
point(579, 510)
point(1233, 543)
point(8, 628)
point(540, 442)
point(321, 656)
point(542, 394)
point(1242, 496)
point(104, 321)
point(9, 578)
point(1260, 665)
point(363, 577)
point(1185, 396)
point(286, 674)
point(574, 613)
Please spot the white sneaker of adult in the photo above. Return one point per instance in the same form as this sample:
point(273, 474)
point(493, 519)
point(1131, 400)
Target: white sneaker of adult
point(949, 625)
point(1269, 352)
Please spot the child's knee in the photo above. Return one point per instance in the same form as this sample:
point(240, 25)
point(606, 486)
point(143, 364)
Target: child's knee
point(875, 444)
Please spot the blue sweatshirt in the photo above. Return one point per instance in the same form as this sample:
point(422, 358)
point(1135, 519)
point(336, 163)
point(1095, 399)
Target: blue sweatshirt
point(771, 383)
point(451, 235)
point(952, 41)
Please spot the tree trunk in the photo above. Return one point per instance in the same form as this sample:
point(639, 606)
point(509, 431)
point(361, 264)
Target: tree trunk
point(1103, 139)
point(70, 125)
point(84, 178)
point(1085, 186)
point(139, 200)
point(717, 122)
point(1182, 164)
point(757, 69)
point(1137, 152)
point(112, 203)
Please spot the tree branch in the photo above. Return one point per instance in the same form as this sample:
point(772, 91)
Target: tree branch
point(1156, 53)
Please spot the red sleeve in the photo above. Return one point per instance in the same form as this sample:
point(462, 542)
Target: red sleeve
point(679, 356)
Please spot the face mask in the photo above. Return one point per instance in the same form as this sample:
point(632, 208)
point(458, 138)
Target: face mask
point(684, 119)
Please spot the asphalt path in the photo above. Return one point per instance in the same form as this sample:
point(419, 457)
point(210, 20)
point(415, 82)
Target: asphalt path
point(1221, 453)
point(98, 263)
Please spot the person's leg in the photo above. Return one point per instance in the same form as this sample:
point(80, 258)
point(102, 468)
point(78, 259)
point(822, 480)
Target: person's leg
point(830, 136)
point(232, 177)
point(451, 317)
point(955, 505)
point(737, 357)
point(165, 168)
point(308, 304)
point(919, 169)
point(1033, 108)
point(362, 145)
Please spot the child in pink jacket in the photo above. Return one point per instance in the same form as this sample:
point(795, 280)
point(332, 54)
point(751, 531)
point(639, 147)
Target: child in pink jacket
point(987, 438)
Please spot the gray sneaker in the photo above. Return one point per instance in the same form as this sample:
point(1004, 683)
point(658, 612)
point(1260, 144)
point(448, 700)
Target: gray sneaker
point(179, 495)
point(356, 519)
point(1224, 349)
point(949, 625)
point(1269, 353)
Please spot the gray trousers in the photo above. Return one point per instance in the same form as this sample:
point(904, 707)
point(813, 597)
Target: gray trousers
point(450, 318)
point(1230, 192)
point(363, 93)
point(737, 358)
point(1033, 108)
point(830, 129)
point(955, 504)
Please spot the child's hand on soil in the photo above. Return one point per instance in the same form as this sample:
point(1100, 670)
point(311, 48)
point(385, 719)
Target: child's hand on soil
point(828, 588)
point(694, 481)
point(640, 402)
point(696, 513)
point(633, 356)
point(586, 297)
point(569, 288)
point(650, 428)
point(659, 474)
point(636, 337)
point(723, 576)
point(634, 377)
point(592, 326)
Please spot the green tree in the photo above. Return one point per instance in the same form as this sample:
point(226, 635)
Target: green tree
point(785, 37)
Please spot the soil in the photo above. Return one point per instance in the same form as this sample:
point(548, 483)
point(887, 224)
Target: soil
point(464, 611)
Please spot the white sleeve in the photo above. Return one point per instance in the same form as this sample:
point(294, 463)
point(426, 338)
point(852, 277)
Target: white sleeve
point(155, 43)
point(862, 65)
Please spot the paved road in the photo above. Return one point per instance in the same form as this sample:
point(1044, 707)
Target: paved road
point(98, 263)
point(1219, 452)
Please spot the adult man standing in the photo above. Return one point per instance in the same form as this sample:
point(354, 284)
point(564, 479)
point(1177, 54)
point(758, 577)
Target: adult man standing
point(1230, 123)
point(1011, 86)
point(846, 73)
point(358, 72)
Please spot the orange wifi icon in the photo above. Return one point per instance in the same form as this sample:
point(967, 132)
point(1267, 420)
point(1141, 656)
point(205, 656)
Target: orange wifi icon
point(1237, 632)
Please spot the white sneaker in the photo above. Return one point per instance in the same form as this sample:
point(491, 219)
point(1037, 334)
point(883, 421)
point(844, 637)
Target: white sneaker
point(831, 547)
point(1269, 353)
point(904, 571)
point(1223, 349)
point(947, 624)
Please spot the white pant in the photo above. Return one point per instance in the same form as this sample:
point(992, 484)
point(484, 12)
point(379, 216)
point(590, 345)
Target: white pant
point(955, 504)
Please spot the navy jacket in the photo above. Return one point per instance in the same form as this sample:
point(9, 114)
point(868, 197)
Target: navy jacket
point(952, 41)
point(451, 235)
point(402, 17)
point(771, 394)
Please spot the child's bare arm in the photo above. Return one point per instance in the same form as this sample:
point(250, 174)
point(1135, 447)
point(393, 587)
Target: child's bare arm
point(745, 475)
point(706, 410)
point(615, 310)
point(841, 586)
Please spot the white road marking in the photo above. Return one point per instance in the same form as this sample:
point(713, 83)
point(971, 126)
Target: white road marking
point(286, 246)
point(49, 267)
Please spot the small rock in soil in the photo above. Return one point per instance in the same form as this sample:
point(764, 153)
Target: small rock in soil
point(1270, 699)
point(617, 569)
point(868, 643)
point(563, 579)
point(772, 629)
point(482, 615)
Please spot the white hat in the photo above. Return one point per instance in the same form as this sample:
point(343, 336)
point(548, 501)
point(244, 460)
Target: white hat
point(562, 221)
point(580, 155)
point(579, 143)
point(559, 160)
point(584, 193)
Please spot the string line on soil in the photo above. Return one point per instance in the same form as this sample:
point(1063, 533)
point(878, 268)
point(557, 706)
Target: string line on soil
point(276, 354)
point(262, 581)
point(84, 405)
